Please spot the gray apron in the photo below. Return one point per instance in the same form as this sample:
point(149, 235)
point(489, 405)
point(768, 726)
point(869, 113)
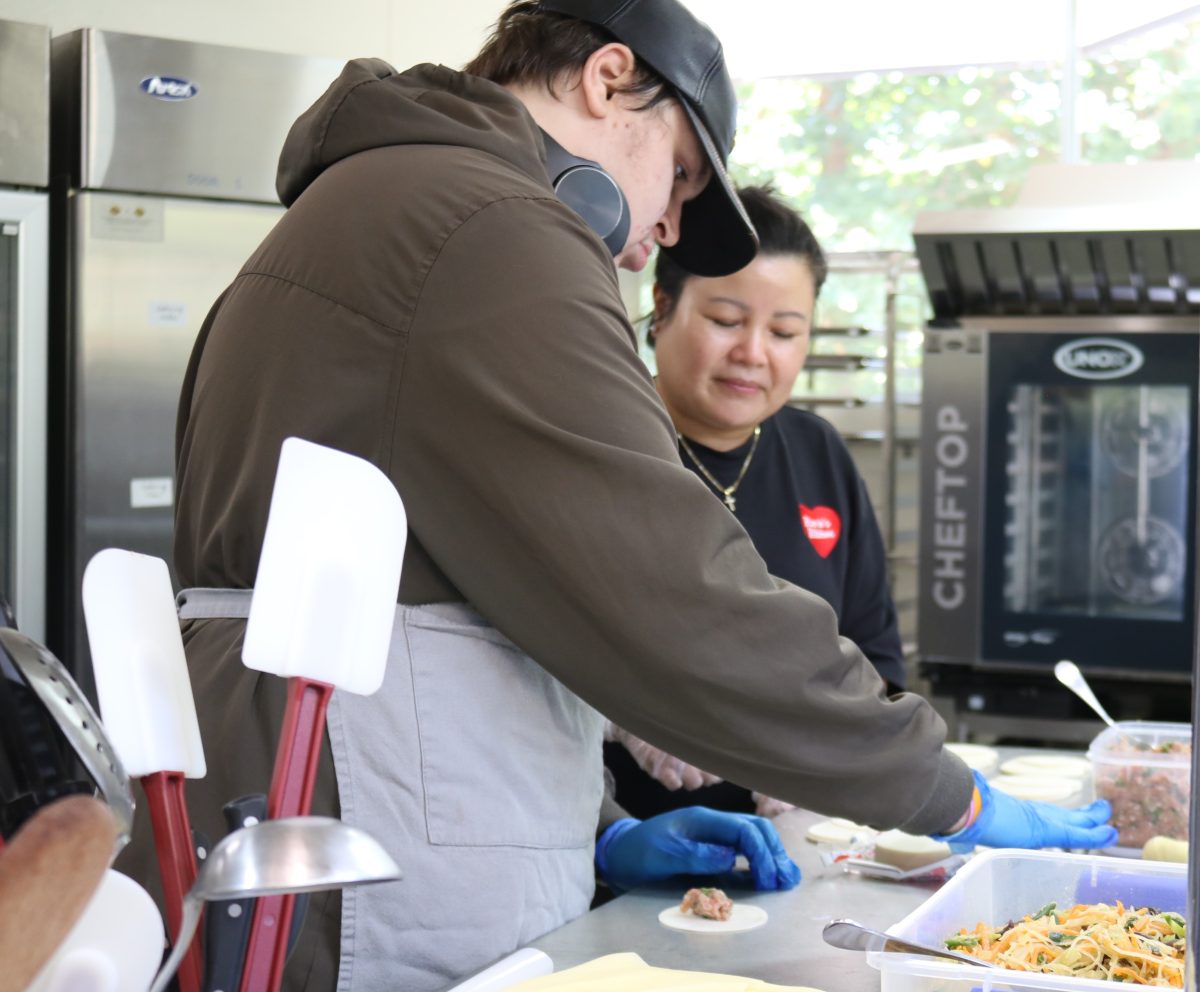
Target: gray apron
point(480, 773)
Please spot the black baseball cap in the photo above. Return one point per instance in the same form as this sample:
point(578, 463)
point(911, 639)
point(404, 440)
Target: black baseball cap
point(716, 237)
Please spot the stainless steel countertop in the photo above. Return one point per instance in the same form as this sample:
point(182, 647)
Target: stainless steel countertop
point(787, 949)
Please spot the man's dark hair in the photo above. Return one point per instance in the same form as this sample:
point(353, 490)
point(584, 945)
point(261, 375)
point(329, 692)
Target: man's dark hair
point(531, 46)
point(781, 231)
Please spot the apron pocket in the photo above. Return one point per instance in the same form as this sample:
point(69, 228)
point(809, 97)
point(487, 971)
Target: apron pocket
point(509, 756)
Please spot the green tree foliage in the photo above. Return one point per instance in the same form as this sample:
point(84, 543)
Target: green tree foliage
point(1141, 99)
point(863, 155)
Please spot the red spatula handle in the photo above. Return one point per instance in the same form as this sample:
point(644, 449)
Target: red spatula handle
point(176, 860)
point(299, 748)
point(291, 795)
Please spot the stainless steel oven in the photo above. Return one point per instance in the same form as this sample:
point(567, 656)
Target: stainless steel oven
point(1059, 454)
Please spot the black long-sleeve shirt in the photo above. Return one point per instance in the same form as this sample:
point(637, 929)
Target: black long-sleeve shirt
point(806, 508)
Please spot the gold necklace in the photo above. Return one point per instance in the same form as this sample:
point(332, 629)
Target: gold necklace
point(725, 492)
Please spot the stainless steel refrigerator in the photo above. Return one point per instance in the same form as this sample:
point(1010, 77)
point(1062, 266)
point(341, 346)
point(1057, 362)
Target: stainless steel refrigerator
point(24, 223)
point(163, 158)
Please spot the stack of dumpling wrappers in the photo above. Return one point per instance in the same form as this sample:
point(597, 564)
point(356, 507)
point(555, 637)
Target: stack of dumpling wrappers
point(629, 973)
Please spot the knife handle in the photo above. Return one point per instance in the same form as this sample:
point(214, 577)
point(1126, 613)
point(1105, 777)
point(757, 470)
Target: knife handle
point(227, 923)
point(245, 811)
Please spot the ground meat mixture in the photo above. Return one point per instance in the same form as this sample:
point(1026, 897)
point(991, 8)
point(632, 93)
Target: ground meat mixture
point(1147, 800)
point(712, 904)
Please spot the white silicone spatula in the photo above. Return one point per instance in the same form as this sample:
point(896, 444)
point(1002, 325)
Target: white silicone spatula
point(146, 703)
point(116, 945)
point(321, 615)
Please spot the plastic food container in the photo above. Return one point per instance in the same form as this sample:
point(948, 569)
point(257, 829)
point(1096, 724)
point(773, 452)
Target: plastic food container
point(997, 886)
point(1144, 770)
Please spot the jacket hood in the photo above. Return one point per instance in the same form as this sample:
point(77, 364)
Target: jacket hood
point(371, 105)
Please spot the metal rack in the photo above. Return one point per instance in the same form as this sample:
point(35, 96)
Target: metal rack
point(1036, 508)
point(869, 412)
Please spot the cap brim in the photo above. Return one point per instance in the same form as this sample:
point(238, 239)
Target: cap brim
point(716, 237)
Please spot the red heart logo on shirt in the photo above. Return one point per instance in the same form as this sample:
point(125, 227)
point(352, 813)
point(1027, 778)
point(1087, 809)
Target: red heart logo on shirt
point(823, 527)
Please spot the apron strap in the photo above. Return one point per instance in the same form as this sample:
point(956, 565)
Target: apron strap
point(212, 604)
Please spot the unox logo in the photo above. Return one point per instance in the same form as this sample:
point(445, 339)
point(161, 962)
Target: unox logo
point(168, 88)
point(1099, 358)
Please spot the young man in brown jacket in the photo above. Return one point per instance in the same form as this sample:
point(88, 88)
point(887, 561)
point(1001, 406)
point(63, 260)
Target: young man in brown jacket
point(429, 303)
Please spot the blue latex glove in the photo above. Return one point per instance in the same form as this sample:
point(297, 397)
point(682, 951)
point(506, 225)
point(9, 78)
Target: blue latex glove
point(693, 841)
point(1005, 821)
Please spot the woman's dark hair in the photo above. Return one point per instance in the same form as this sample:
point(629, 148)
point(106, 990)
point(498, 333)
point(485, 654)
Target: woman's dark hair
point(530, 46)
point(781, 231)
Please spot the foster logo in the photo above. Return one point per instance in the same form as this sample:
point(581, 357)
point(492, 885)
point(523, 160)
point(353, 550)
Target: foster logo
point(168, 88)
point(1099, 358)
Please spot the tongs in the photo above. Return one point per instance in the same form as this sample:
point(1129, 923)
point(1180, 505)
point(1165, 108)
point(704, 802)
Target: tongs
point(852, 936)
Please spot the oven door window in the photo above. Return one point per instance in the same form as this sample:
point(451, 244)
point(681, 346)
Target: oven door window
point(1097, 501)
point(1088, 518)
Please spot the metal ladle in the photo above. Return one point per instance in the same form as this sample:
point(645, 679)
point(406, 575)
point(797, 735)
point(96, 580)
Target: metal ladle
point(851, 936)
point(277, 857)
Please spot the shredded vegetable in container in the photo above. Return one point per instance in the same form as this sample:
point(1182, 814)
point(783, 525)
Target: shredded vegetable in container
point(1136, 946)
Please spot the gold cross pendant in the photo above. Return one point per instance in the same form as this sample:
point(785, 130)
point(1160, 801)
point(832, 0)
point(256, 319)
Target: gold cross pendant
point(730, 502)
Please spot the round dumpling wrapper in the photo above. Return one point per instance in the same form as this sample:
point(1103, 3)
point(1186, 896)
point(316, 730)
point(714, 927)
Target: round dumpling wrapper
point(840, 833)
point(979, 757)
point(743, 917)
point(1053, 765)
point(907, 851)
point(1041, 788)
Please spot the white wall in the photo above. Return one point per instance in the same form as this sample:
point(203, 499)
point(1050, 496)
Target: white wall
point(402, 31)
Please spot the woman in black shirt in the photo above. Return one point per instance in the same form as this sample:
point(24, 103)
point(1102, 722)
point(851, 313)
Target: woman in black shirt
point(729, 350)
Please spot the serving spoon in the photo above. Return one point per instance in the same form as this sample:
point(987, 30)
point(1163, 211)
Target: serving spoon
point(851, 936)
point(1068, 673)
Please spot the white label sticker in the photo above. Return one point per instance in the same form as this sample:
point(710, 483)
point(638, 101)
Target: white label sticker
point(161, 313)
point(151, 492)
